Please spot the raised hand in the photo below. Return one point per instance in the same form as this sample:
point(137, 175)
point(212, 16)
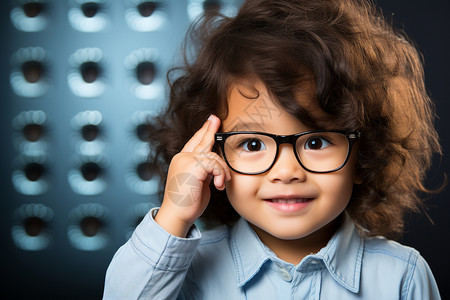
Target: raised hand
point(190, 172)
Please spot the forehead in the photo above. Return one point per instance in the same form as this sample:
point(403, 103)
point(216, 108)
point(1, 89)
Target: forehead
point(252, 107)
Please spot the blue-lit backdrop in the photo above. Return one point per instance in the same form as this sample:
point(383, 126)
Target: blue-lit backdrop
point(79, 80)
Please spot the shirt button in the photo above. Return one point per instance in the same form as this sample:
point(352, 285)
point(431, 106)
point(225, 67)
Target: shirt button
point(285, 275)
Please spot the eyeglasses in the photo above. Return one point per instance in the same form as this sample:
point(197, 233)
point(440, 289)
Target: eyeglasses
point(319, 151)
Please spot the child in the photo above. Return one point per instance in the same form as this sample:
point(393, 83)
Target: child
point(317, 137)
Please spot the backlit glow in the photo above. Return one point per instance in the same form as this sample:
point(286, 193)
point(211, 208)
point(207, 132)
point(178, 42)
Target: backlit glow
point(30, 148)
point(25, 23)
point(19, 84)
point(144, 24)
point(80, 22)
point(136, 183)
point(152, 91)
point(24, 185)
point(19, 234)
point(80, 184)
point(84, 118)
point(75, 80)
point(77, 237)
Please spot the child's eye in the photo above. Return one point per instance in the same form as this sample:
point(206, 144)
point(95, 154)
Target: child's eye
point(252, 145)
point(316, 143)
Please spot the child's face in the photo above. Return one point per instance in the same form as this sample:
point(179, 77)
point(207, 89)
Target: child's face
point(250, 195)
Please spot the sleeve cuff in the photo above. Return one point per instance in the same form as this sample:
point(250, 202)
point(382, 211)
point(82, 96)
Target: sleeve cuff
point(159, 248)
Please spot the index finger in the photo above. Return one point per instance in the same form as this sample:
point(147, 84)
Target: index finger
point(207, 142)
point(198, 136)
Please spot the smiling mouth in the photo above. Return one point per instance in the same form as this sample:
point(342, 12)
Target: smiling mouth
point(290, 200)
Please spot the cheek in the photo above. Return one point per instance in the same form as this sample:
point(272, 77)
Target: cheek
point(337, 189)
point(241, 187)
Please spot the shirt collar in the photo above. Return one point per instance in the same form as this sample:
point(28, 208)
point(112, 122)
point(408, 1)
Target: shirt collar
point(249, 253)
point(342, 256)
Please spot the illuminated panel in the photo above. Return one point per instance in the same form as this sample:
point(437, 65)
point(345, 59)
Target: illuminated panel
point(144, 82)
point(145, 15)
point(87, 229)
point(88, 175)
point(31, 130)
point(30, 16)
point(29, 75)
point(86, 78)
point(31, 227)
point(30, 175)
point(90, 138)
point(88, 15)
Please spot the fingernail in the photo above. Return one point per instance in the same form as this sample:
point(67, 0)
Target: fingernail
point(210, 117)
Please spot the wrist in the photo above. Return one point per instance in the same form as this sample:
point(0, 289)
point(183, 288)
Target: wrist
point(171, 224)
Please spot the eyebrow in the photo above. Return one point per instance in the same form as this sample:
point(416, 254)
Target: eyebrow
point(247, 127)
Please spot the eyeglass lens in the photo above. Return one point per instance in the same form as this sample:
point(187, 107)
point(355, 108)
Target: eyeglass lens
point(318, 152)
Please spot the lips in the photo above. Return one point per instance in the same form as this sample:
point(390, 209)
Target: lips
point(289, 200)
point(292, 204)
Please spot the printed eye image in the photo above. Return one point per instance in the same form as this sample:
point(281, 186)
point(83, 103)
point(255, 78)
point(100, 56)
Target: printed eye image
point(88, 227)
point(32, 71)
point(29, 76)
point(144, 81)
point(145, 72)
point(88, 15)
point(30, 16)
point(90, 132)
point(145, 171)
point(30, 176)
point(90, 9)
point(146, 16)
point(147, 8)
point(142, 177)
point(139, 125)
point(86, 78)
point(31, 229)
point(31, 133)
point(88, 176)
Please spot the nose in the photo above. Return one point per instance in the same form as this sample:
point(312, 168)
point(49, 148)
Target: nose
point(286, 168)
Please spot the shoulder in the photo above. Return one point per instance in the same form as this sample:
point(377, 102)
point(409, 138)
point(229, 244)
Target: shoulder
point(390, 257)
point(385, 249)
point(399, 267)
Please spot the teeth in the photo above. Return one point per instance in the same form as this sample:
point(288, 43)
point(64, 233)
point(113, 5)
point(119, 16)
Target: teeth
point(289, 200)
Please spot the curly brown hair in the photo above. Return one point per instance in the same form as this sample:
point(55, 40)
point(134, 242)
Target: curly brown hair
point(367, 77)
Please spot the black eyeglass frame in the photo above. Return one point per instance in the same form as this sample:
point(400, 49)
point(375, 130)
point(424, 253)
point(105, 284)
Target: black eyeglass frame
point(352, 137)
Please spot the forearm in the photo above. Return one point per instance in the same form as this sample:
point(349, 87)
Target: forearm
point(151, 265)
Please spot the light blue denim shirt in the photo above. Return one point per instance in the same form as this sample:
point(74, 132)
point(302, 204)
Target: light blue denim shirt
point(232, 263)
